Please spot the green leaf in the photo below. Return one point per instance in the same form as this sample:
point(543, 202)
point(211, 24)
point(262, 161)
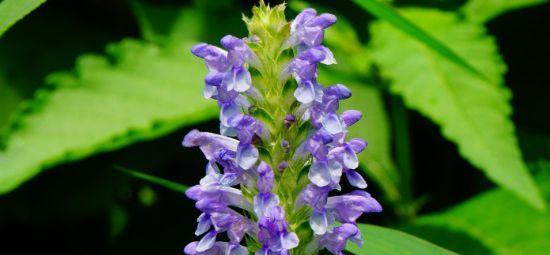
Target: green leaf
point(385, 12)
point(385, 241)
point(138, 91)
point(374, 127)
point(472, 112)
point(483, 10)
point(9, 98)
point(153, 179)
point(12, 11)
point(499, 220)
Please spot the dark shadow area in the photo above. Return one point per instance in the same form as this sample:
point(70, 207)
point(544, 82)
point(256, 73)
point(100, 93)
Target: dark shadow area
point(69, 208)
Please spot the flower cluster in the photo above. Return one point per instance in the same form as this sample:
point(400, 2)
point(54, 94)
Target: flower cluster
point(282, 145)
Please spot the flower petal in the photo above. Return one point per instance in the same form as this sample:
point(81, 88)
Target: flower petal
point(332, 123)
point(319, 174)
point(355, 179)
point(247, 155)
point(207, 241)
point(305, 93)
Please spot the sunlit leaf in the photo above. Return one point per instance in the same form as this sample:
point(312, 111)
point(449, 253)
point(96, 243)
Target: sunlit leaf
point(497, 219)
point(138, 91)
point(484, 10)
point(386, 241)
point(472, 112)
point(386, 13)
point(12, 11)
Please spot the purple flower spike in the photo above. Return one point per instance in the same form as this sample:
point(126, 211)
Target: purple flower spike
point(264, 195)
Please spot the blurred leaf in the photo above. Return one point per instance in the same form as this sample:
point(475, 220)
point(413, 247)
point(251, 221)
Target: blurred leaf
point(147, 196)
point(473, 112)
point(375, 128)
point(139, 91)
point(350, 53)
point(170, 24)
point(164, 24)
point(484, 10)
point(8, 102)
point(119, 220)
point(499, 220)
point(386, 241)
point(12, 11)
point(153, 179)
point(386, 13)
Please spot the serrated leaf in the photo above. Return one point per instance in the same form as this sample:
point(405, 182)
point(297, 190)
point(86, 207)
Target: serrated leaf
point(472, 112)
point(138, 92)
point(484, 10)
point(402, 23)
point(499, 220)
point(386, 241)
point(12, 11)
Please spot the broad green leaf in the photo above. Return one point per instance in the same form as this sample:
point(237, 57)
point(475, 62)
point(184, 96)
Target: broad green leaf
point(484, 10)
point(386, 13)
point(138, 91)
point(153, 179)
point(12, 11)
point(386, 241)
point(499, 220)
point(472, 112)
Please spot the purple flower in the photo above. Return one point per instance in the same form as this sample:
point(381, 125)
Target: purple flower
point(217, 248)
point(261, 130)
point(214, 195)
point(335, 241)
point(307, 29)
point(273, 231)
point(209, 143)
point(215, 58)
point(347, 208)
